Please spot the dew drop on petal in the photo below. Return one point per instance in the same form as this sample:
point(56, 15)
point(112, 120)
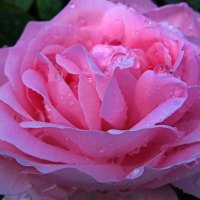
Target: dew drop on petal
point(62, 97)
point(135, 173)
point(72, 5)
point(178, 92)
point(162, 68)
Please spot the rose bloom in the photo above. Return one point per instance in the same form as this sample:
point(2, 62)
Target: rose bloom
point(102, 102)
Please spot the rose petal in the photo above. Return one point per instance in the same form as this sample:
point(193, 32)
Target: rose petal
point(89, 102)
point(3, 55)
point(170, 93)
point(136, 4)
point(179, 15)
point(113, 108)
point(190, 185)
point(9, 98)
point(33, 80)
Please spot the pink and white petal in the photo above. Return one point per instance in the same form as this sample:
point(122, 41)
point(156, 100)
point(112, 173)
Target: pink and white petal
point(90, 103)
point(113, 108)
point(3, 55)
point(170, 92)
point(179, 15)
point(143, 7)
point(190, 185)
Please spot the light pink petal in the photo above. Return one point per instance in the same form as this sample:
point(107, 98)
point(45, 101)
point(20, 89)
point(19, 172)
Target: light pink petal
point(105, 146)
point(34, 81)
point(89, 102)
point(190, 75)
point(11, 179)
point(113, 108)
point(190, 185)
point(14, 61)
point(79, 12)
point(8, 97)
point(180, 16)
point(191, 118)
point(61, 95)
point(3, 56)
point(142, 7)
point(170, 93)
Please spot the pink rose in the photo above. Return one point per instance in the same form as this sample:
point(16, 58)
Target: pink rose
point(104, 97)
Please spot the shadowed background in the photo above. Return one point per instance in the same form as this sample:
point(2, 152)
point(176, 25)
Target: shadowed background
point(14, 14)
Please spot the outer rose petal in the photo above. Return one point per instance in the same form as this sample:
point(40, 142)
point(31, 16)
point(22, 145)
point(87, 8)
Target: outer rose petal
point(190, 185)
point(179, 15)
point(3, 57)
point(143, 7)
point(163, 193)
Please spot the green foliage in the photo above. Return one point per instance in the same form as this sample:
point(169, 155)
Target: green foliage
point(48, 8)
point(12, 22)
point(23, 4)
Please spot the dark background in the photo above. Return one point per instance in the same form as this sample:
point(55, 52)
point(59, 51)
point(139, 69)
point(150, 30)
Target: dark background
point(14, 14)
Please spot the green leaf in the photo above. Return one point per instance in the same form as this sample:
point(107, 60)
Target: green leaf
point(23, 4)
point(12, 22)
point(48, 8)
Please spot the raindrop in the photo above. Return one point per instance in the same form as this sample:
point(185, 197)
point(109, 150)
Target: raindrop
point(135, 173)
point(178, 92)
point(69, 94)
point(25, 196)
point(62, 97)
point(58, 77)
point(89, 79)
point(47, 107)
point(163, 68)
point(72, 5)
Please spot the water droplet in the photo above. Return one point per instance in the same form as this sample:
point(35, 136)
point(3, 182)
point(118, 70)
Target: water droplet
point(163, 68)
point(89, 79)
point(134, 174)
point(25, 196)
point(69, 94)
point(58, 76)
point(72, 5)
point(62, 97)
point(47, 107)
point(122, 60)
point(178, 92)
